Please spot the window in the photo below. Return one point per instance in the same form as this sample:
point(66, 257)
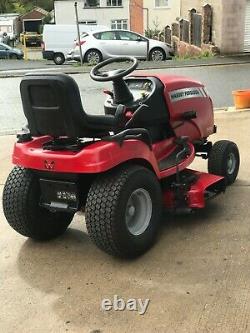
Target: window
point(114, 3)
point(6, 28)
point(130, 36)
point(161, 3)
point(106, 35)
point(119, 24)
point(92, 3)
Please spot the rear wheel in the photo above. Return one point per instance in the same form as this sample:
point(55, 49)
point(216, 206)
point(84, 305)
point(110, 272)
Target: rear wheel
point(59, 59)
point(157, 54)
point(224, 160)
point(93, 56)
point(123, 211)
point(21, 198)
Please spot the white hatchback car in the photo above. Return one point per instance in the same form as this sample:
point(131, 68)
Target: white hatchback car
point(101, 45)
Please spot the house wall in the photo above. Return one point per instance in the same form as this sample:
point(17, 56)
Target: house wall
point(233, 26)
point(228, 21)
point(7, 25)
point(160, 17)
point(7, 22)
point(65, 12)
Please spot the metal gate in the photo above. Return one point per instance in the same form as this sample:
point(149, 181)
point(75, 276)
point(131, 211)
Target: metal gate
point(247, 28)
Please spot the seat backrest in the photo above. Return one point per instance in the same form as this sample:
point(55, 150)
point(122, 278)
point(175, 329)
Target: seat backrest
point(52, 105)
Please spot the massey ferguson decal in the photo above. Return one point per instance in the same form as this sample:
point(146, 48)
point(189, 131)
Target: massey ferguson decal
point(180, 94)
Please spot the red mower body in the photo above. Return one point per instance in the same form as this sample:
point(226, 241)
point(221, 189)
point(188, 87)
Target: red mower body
point(97, 157)
point(121, 167)
point(183, 94)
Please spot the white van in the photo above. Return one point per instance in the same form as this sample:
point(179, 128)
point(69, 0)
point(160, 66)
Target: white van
point(58, 39)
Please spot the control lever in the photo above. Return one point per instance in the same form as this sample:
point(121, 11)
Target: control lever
point(179, 185)
point(108, 92)
point(182, 142)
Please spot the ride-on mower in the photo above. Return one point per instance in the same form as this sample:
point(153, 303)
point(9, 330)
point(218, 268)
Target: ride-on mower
point(122, 167)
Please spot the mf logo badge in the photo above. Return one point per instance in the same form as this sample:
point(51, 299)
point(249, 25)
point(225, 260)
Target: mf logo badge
point(181, 94)
point(49, 165)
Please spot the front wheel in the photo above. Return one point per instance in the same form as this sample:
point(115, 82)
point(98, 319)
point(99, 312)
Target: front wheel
point(224, 160)
point(123, 211)
point(157, 54)
point(21, 196)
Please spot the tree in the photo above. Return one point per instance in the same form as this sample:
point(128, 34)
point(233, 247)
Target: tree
point(24, 6)
point(6, 6)
point(29, 4)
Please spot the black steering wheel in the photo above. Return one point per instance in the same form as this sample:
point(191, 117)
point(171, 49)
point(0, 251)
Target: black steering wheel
point(112, 75)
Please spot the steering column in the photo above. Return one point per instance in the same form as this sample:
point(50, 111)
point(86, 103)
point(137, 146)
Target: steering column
point(122, 94)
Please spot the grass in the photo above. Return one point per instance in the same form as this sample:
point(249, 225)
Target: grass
point(206, 54)
point(76, 64)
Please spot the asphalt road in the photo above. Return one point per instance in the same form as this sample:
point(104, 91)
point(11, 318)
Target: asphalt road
point(220, 81)
point(197, 276)
point(36, 62)
point(6, 65)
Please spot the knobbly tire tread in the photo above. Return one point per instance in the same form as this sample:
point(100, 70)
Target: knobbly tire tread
point(217, 157)
point(101, 212)
point(21, 208)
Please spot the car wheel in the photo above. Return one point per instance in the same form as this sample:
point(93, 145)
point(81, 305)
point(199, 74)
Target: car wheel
point(157, 54)
point(59, 59)
point(21, 197)
point(93, 56)
point(224, 160)
point(123, 211)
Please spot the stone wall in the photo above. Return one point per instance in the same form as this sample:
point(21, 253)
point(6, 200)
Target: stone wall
point(188, 50)
point(228, 22)
point(187, 5)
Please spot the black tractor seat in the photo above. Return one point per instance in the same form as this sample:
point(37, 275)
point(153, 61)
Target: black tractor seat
point(52, 105)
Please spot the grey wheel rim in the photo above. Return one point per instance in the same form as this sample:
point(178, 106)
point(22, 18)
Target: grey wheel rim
point(138, 212)
point(58, 59)
point(93, 57)
point(157, 55)
point(231, 163)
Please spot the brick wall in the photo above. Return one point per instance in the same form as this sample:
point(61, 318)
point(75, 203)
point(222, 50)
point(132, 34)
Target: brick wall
point(136, 16)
